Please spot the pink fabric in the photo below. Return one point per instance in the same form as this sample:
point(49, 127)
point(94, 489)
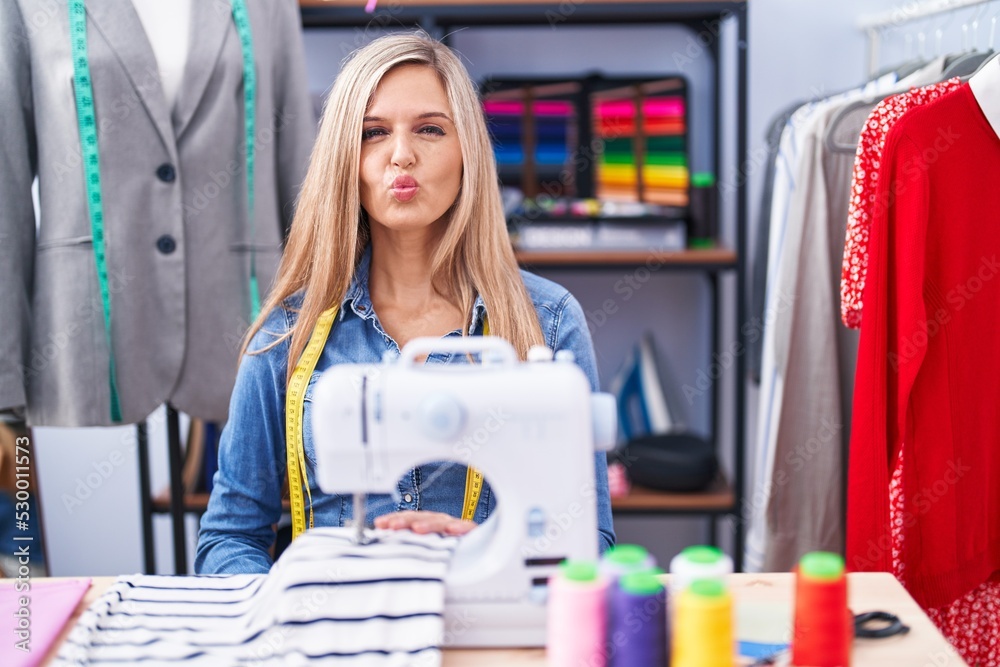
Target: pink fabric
point(618, 484)
point(864, 185)
point(51, 603)
point(972, 622)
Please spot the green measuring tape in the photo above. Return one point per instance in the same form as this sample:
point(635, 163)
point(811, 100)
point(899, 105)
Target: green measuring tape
point(242, 21)
point(295, 458)
point(86, 118)
point(92, 175)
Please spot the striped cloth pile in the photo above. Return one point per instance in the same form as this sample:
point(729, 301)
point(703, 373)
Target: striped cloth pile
point(327, 601)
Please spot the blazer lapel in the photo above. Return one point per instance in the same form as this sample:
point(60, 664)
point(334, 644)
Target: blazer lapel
point(121, 28)
point(210, 21)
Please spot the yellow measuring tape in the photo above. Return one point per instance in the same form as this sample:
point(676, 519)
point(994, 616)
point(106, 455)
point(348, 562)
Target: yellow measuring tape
point(294, 444)
point(294, 405)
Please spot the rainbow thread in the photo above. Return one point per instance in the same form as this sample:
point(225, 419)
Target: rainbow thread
point(664, 175)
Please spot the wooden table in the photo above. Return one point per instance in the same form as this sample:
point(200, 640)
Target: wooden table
point(922, 647)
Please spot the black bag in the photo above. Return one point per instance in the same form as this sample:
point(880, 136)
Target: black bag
point(680, 461)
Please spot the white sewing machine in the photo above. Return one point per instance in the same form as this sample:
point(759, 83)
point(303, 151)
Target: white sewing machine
point(530, 428)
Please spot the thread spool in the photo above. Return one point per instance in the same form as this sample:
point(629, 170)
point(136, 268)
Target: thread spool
point(824, 627)
point(637, 621)
point(577, 618)
point(622, 559)
point(698, 562)
point(703, 626)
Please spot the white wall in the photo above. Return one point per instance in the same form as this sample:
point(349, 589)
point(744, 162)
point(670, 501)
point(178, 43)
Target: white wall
point(798, 49)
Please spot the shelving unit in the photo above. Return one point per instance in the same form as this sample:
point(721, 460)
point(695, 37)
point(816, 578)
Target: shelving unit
point(439, 18)
point(709, 259)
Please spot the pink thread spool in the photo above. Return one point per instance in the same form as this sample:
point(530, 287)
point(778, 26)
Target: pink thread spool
point(577, 616)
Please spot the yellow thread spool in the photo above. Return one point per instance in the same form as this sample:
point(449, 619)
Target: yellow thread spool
point(703, 626)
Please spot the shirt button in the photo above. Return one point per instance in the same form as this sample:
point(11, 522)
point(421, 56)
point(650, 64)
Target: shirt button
point(166, 173)
point(407, 498)
point(362, 307)
point(166, 244)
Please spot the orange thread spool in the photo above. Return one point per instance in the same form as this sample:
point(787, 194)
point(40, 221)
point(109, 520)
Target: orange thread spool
point(824, 626)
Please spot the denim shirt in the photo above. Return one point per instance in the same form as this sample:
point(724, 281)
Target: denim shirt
point(237, 530)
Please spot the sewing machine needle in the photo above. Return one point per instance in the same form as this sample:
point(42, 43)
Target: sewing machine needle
point(360, 511)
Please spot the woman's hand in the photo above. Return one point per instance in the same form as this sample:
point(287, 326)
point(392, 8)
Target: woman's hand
point(424, 522)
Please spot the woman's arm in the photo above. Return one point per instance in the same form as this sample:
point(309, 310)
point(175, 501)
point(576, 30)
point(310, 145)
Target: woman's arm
point(572, 334)
point(237, 529)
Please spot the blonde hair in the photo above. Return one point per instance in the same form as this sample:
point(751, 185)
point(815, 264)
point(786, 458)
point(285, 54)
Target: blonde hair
point(329, 231)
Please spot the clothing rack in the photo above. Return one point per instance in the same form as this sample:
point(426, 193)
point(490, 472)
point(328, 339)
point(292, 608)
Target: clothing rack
point(876, 24)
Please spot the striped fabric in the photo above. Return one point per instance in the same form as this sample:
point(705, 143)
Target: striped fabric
point(327, 601)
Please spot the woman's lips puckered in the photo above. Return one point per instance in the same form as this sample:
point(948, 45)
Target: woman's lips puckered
point(404, 188)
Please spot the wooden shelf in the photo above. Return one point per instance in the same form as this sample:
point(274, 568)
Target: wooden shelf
point(347, 13)
point(719, 258)
point(718, 498)
point(340, 4)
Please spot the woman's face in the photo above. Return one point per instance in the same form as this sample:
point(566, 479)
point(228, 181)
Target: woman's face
point(411, 159)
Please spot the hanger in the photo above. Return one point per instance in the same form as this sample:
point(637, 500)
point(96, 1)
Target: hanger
point(902, 71)
point(993, 32)
point(968, 63)
point(829, 142)
point(912, 65)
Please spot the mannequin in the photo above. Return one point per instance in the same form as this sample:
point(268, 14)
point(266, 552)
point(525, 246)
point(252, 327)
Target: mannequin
point(985, 86)
point(170, 128)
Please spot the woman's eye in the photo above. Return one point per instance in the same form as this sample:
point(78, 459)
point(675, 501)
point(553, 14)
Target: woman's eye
point(432, 129)
point(372, 132)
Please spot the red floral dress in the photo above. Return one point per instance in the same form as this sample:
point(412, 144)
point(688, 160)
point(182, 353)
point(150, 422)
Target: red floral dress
point(972, 622)
point(863, 187)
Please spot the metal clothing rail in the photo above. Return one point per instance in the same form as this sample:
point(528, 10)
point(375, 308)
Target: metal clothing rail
point(875, 24)
point(913, 12)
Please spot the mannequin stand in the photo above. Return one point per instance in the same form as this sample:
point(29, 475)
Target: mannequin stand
point(175, 457)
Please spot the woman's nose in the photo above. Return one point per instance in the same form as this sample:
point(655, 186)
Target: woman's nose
point(403, 154)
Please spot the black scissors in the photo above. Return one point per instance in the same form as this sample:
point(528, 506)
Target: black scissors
point(878, 625)
point(869, 625)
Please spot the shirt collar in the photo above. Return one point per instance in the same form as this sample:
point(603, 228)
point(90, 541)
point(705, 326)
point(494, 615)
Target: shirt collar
point(357, 294)
point(360, 301)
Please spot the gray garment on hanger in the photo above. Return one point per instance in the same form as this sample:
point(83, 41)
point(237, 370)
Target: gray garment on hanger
point(175, 207)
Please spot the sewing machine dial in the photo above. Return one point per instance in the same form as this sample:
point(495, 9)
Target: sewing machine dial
point(441, 417)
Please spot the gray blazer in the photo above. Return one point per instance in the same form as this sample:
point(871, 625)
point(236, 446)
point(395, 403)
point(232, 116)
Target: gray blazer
point(175, 204)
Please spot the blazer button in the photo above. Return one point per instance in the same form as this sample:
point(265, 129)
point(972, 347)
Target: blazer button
point(166, 244)
point(166, 173)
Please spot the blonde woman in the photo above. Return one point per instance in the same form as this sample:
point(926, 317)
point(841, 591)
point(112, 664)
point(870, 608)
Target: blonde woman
point(399, 224)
